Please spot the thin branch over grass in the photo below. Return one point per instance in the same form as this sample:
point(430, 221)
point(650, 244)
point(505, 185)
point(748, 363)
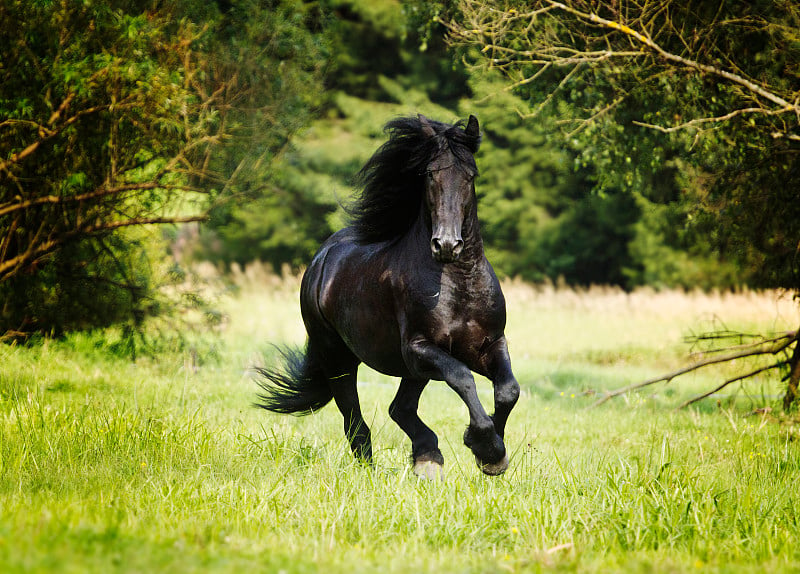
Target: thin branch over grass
point(727, 335)
point(771, 346)
point(733, 380)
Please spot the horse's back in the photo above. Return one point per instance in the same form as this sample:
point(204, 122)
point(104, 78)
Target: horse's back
point(323, 275)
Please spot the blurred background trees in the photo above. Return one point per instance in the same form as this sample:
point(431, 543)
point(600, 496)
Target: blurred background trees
point(603, 160)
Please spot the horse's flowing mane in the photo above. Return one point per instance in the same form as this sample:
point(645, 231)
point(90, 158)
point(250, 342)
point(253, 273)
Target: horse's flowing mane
point(392, 181)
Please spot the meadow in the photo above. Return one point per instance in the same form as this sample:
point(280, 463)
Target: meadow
point(162, 464)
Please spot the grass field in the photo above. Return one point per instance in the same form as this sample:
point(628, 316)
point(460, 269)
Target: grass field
point(155, 465)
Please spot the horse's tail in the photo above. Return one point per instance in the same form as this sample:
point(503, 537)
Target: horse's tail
point(300, 388)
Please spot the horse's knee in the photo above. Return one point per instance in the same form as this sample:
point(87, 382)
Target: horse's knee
point(507, 393)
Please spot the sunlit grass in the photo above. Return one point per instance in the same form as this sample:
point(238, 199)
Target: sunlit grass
point(163, 465)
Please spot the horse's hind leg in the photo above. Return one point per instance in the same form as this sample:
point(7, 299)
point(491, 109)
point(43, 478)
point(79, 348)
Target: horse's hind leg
point(340, 366)
point(345, 393)
point(428, 459)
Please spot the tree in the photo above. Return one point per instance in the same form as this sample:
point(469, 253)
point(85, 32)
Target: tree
point(372, 72)
point(696, 92)
point(124, 114)
point(707, 94)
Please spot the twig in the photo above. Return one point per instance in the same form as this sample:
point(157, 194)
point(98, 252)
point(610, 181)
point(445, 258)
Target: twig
point(38, 249)
point(717, 119)
point(490, 29)
point(550, 96)
point(98, 193)
point(596, 115)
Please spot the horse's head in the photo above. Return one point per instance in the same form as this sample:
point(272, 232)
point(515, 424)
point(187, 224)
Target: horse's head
point(450, 190)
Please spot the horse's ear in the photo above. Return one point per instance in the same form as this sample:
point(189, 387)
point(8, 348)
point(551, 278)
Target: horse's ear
point(427, 128)
point(473, 130)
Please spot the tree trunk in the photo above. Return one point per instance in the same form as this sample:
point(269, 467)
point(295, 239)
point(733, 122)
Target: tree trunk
point(794, 376)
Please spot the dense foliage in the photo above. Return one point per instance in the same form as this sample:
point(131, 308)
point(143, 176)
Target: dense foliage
point(540, 214)
point(578, 208)
point(692, 106)
point(123, 114)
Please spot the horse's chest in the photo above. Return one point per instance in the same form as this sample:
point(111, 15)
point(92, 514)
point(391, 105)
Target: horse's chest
point(465, 323)
point(460, 336)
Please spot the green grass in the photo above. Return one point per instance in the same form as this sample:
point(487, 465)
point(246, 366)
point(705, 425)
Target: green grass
point(108, 465)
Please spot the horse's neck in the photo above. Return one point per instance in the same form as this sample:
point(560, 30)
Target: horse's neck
point(473, 242)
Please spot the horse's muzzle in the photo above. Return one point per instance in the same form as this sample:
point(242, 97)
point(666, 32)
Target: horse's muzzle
point(446, 250)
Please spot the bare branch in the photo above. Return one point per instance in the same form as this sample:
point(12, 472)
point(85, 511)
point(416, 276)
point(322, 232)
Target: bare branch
point(596, 115)
point(102, 192)
point(773, 349)
point(778, 135)
point(47, 134)
point(718, 119)
point(550, 96)
point(515, 39)
point(727, 336)
point(56, 199)
point(732, 380)
point(649, 43)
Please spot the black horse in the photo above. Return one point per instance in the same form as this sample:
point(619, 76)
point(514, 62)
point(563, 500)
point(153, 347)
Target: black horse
point(407, 290)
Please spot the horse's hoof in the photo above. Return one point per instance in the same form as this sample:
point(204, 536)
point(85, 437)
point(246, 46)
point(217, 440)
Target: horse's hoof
point(429, 470)
point(495, 468)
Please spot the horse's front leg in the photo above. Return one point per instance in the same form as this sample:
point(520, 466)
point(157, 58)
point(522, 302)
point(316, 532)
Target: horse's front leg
point(506, 387)
point(428, 361)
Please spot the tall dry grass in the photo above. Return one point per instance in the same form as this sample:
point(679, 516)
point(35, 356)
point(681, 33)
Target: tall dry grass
point(561, 339)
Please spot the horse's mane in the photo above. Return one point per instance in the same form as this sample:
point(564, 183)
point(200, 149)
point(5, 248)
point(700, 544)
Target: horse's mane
point(392, 181)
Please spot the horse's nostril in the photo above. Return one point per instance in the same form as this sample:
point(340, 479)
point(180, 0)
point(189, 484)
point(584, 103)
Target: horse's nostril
point(445, 249)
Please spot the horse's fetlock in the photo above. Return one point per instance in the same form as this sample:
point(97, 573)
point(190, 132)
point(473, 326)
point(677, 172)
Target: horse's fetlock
point(479, 433)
